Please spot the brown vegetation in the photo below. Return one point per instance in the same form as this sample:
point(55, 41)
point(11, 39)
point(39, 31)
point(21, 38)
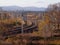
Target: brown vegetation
point(49, 22)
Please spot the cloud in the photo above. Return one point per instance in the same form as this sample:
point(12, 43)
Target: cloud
point(24, 3)
point(40, 2)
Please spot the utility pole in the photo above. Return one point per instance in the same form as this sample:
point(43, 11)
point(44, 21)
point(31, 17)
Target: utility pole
point(22, 27)
point(22, 23)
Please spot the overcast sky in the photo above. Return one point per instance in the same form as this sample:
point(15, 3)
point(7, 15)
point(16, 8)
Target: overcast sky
point(28, 3)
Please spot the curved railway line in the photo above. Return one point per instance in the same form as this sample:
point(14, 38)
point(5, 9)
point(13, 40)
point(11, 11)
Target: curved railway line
point(18, 30)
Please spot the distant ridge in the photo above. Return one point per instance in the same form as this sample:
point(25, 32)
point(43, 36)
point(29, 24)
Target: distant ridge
point(15, 8)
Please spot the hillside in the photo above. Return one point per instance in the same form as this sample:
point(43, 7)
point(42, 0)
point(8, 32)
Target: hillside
point(15, 8)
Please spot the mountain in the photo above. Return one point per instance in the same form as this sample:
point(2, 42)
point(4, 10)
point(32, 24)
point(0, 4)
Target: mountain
point(34, 9)
point(15, 8)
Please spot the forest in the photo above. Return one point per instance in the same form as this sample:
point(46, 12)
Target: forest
point(30, 28)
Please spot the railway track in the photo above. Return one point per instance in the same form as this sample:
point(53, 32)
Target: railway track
point(18, 30)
